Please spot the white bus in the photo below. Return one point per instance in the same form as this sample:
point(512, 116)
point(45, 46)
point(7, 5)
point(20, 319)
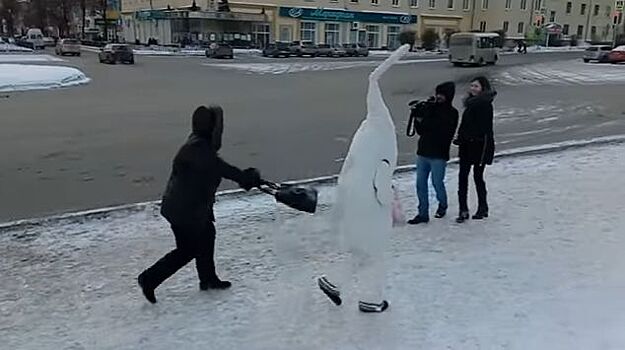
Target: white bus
point(474, 48)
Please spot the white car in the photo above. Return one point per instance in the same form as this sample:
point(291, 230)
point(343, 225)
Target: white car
point(67, 47)
point(597, 53)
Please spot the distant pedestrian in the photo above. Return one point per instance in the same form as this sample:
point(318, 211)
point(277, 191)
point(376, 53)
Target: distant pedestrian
point(476, 145)
point(188, 203)
point(435, 121)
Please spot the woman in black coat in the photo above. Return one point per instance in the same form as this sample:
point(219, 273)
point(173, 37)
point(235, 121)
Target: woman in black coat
point(477, 145)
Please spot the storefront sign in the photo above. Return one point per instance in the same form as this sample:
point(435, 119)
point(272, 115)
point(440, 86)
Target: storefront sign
point(337, 15)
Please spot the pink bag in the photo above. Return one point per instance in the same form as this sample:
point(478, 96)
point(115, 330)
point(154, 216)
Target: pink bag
point(399, 218)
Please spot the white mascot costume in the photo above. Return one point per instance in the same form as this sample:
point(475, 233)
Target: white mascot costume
point(364, 197)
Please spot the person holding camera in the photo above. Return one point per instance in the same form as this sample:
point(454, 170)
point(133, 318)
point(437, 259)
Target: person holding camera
point(435, 120)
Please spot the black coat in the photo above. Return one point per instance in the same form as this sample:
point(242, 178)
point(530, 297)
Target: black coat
point(436, 130)
point(475, 135)
point(196, 174)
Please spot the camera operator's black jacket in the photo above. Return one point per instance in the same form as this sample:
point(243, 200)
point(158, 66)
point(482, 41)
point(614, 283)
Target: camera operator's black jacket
point(436, 129)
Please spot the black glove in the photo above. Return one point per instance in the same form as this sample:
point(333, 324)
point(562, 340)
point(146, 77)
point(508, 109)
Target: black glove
point(251, 179)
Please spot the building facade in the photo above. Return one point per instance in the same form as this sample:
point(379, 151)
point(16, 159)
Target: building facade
point(375, 22)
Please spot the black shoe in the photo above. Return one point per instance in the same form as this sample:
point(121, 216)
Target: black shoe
point(215, 283)
point(440, 213)
point(148, 293)
point(370, 307)
point(462, 217)
point(418, 220)
point(480, 215)
point(330, 290)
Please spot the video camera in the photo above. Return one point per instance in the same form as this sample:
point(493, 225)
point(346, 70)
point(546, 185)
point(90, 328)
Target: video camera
point(418, 111)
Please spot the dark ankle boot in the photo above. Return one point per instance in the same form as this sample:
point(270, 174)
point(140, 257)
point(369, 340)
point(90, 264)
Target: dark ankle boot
point(215, 283)
point(462, 217)
point(480, 214)
point(440, 213)
point(418, 220)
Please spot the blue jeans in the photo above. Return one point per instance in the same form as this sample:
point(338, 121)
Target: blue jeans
point(437, 167)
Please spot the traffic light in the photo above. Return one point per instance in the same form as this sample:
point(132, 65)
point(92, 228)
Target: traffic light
point(539, 20)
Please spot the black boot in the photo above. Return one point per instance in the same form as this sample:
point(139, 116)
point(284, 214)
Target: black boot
point(215, 283)
point(462, 217)
point(440, 212)
point(418, 220)
point(480, 214)
point(148, 292)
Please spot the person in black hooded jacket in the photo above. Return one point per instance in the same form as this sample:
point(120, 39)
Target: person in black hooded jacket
point(188, 200)
point(476, 145)
point(436, 129)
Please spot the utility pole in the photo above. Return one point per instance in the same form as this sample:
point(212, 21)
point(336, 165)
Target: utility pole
point(590, 9)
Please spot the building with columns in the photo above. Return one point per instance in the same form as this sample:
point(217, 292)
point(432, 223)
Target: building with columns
point(375, 22)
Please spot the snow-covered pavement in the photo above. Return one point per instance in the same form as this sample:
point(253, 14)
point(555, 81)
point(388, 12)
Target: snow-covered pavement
point(277, 68)
point(23, 58)
point(22, 77)
point(4, 47)
point(543, 272)
point(572, 72)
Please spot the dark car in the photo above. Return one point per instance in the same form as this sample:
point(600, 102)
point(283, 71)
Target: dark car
point(356, 50)
point(113, 53)
point(221, 50)
point(277, 50)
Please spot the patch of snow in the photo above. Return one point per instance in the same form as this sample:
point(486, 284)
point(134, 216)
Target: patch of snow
point(573, 72)
point(312, 66)
point(532, 276)
point(13, 48)
point(13, 58)
point(20, 77)
point(551, 49)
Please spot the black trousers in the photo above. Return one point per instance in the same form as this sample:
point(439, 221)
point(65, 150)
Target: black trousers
point(192, 242)
point(480, 186)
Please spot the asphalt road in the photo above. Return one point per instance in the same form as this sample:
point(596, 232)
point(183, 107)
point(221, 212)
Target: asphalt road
point(111, 142)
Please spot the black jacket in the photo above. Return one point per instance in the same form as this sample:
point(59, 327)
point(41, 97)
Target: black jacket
point(196, 174)
point(436, 130)
point(475, 135)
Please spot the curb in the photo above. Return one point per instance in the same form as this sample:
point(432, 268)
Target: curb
point(323, 180)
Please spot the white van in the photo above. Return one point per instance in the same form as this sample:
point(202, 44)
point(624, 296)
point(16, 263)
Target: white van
point(474, 48)
point(34, 38)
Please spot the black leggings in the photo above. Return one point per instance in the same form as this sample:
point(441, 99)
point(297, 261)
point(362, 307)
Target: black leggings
point(480, 186)
point(192, 242)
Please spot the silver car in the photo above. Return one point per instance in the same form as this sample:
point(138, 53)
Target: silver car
point(597, 53)
point(67, 47)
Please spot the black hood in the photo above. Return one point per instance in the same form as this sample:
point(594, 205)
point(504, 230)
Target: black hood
point(447, 89)
point(208, 123)
point(485, 97)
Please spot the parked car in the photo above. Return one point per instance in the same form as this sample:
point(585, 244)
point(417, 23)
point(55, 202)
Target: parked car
point(331, 50)
point(356, 50)
point(597, 53)
point(309, 49)
point(48, 41)
point(221, 50)
point(617, 55)
point(295, 48)
point(113, 53)
point(33, 39)
point(67, 47)
point(278, 49)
